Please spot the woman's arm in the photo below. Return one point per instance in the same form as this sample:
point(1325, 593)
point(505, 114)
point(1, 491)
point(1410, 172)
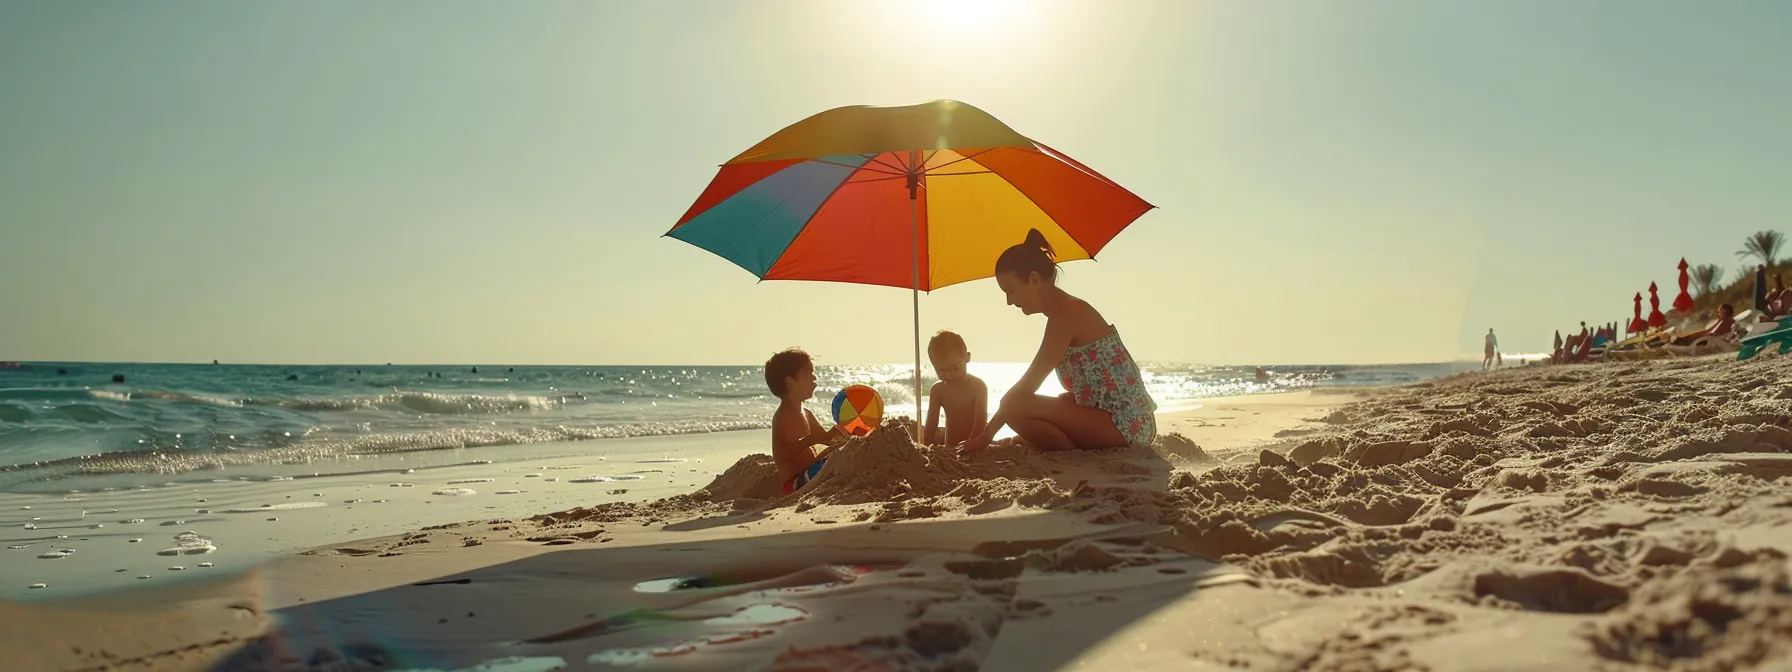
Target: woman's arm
point(1051, 351)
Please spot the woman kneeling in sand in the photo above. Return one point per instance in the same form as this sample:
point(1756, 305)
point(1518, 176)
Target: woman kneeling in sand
point(1105, 405)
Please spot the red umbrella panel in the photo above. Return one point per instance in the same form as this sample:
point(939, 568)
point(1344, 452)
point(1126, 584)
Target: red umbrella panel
point(1637, 325)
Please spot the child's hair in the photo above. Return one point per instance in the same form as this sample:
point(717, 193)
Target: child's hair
point(1034, 255)
point(784, 365)
point(946, 341)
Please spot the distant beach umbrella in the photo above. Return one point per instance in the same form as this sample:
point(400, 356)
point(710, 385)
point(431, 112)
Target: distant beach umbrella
point(918, 196)
point(1637, 325)
point(1683, 302)
point(1656, 319)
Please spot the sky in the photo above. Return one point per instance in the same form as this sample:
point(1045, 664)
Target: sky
point(487, 182)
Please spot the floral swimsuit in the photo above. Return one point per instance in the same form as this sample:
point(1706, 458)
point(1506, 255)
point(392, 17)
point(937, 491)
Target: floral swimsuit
point(1102, 374)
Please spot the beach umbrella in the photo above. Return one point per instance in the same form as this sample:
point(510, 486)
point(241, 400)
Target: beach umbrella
point(1683, 303)
point(1637, 325)
point(1656, 319)
point(917, 196)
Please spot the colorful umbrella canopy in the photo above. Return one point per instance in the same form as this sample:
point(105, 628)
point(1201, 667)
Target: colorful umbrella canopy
point(917, 196)
point(1683, 303)
point(1656, 319)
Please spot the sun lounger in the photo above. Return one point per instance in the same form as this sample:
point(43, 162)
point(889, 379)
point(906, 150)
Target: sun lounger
point(1779, 338)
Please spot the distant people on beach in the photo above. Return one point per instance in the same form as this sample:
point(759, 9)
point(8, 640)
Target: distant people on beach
point(1262, 376)
point(1491, 350)
point(1105, 404)
point(963, 397)
point(1761, 289)
point(795, 432)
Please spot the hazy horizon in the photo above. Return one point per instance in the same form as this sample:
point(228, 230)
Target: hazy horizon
point(1347, 184)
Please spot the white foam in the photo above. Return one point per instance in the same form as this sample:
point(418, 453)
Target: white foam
point(403, 485)
point(278, 507)
point(205, 564)
point(176, 568)
point(604, 479)
point(52, 555)
point(510, 492)
point(36, 586)
point(142, 576)
point(19, 546)
point(132, 521)
point(454, 492)
point(189, 543)
point(135, 540)
point(472, 480)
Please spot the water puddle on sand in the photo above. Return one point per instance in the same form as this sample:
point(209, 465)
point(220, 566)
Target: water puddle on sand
point(745, 624)
point(839, 574)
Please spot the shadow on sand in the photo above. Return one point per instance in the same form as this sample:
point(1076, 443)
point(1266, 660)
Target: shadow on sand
point(958, 593)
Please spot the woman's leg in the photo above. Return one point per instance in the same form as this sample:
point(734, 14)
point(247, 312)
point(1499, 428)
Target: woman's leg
point(1057, 423)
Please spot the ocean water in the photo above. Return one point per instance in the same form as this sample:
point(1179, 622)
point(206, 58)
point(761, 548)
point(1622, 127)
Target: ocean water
point(60, 419)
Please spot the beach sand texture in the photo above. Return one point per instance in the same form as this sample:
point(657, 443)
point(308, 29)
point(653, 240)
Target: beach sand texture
point(1603, 517)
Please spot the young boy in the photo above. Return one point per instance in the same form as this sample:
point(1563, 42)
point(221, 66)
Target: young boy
point(963, 396)
point(795, 431)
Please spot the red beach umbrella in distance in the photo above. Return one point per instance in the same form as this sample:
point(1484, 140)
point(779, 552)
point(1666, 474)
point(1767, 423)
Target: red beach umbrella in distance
point(1683, 302)
point(1637, 325)
point(1656, 319)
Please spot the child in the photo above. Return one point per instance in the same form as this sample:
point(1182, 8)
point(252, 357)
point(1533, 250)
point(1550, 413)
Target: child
point(963, 396)
point(795, 431)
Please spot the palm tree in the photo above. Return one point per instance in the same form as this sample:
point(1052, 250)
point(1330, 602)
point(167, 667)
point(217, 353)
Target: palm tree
point(1763, 245)
point(1705, 278)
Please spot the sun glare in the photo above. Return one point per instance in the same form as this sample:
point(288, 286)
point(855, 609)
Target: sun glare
point(969, 16)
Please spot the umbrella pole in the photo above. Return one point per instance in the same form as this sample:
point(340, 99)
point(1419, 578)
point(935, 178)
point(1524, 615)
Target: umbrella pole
point(914, 224)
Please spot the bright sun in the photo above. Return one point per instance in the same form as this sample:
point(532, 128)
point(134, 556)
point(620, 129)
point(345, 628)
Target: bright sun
point(968, 15)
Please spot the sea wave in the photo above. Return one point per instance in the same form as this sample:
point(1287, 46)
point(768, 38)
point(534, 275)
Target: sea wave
point(421, 402)
point(325, 446)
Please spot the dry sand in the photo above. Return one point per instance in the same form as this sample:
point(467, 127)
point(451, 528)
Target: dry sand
point(1609, 517)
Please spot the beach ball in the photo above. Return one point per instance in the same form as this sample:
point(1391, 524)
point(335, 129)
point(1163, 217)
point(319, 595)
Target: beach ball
point(858, 410)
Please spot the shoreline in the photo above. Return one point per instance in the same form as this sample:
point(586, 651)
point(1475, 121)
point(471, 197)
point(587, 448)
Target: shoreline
point(282, 510)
